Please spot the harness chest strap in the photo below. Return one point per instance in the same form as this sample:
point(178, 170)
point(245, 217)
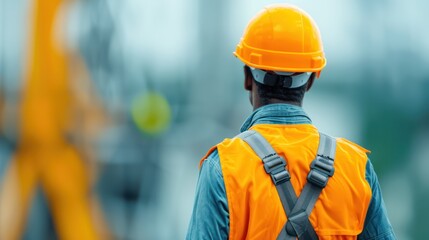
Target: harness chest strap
point(297, 209)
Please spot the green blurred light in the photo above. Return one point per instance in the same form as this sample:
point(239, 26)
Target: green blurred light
point(151, 113)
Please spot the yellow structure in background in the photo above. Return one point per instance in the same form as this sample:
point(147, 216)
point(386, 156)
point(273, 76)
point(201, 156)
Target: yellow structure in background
point(44, 156)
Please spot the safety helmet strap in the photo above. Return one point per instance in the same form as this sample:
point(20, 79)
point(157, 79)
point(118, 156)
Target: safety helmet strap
point(280, 79)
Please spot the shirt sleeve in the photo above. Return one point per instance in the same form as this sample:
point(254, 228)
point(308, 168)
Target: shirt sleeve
point(377, 225)
point(210, 216)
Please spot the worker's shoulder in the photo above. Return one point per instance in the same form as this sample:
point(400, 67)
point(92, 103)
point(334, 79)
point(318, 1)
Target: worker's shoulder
point(213, 151)
point(226, 144)
point(229, 142)
point(347, 146)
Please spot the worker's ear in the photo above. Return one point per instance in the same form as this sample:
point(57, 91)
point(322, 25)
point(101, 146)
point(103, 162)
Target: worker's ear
point(310, 81)
point(248, 79)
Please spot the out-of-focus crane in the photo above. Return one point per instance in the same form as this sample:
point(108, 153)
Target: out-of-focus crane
point(45, 155)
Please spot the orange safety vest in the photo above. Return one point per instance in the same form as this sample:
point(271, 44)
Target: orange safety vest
point(255, 209)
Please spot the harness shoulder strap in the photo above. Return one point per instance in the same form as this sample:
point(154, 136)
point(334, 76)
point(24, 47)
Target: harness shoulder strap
point(274, 165)
point(297, 210)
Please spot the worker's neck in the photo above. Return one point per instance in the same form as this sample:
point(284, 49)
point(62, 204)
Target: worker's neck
point(263, 102)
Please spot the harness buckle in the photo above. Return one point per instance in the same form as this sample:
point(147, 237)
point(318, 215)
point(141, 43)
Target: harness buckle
point(276, 167)
point(321, 169)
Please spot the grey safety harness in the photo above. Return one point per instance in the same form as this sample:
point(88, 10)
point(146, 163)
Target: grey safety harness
point(297, 209)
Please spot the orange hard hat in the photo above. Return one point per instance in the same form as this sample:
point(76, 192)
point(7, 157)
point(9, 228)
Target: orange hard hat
point(284, 38)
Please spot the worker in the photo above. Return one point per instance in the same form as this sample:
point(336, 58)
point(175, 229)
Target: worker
point(280, 178)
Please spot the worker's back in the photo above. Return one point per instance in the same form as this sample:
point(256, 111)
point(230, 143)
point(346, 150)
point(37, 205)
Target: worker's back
point(243, 190)
point(255, 210)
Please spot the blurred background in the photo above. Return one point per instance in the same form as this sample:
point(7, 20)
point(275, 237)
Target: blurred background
point(106, 107)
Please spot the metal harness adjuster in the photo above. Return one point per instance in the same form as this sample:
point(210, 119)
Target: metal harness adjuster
point(276, 167)
point(321, 169)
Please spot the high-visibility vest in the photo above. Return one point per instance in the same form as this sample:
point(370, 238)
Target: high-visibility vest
point(255, 210)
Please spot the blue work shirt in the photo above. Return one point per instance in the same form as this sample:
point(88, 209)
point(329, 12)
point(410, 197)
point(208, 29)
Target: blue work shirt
point(210, 216)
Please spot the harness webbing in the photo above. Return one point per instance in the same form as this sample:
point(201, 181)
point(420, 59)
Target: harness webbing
point(297, 209)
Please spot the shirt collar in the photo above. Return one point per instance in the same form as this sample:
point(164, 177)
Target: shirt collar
point(278, 113)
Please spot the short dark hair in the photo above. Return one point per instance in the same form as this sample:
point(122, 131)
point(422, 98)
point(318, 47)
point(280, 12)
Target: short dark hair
point(266, 92)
